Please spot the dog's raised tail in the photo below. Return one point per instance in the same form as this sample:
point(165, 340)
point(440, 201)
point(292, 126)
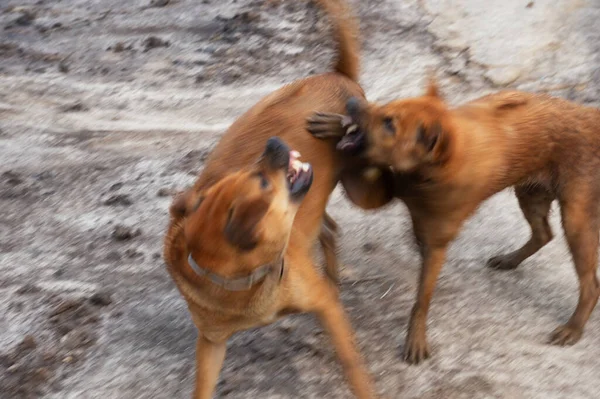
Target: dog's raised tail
point(345, 27)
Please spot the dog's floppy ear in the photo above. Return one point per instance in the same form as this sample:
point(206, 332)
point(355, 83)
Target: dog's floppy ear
point(428, 136)
point(368, 187)
point(185, 203)
point(242, 221)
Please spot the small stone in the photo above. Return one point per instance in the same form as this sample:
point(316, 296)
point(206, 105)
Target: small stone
point(63, 67)
point(101, 299)
point(248, 16)
point(118, 199)
point(64, 306)
point(287, 325)
point(42, 374)
point(119, 47)
point(166, 192)
point(230, 77)
point(158, 3)
point(48, 356)
point(12, 178)
point(201, 77)
point(28, 343)
point(530, 4)
point(78, 338)
point(369, 247)
point(503, 76)
point(116, 186)
point(26, 18)
point(77, 106)
point(123, 233)
point(133, 253)
point(154, 42)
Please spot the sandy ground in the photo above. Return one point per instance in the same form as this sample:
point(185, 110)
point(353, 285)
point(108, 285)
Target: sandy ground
point(107, 107)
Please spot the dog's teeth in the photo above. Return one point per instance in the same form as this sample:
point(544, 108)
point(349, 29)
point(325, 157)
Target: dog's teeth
point(352, 129)
point(295, 154)
point(296, 165)
point(305, 167)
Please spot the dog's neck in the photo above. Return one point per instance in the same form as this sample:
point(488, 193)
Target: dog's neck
point(243, 283)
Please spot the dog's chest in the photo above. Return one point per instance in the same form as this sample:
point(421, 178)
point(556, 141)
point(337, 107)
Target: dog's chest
point(220, 325)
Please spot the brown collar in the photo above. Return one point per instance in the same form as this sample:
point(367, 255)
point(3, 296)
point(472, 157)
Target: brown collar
point(242, 283)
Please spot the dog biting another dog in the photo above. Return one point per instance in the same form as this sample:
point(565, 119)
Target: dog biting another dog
point(448, 161)
point(240, 242)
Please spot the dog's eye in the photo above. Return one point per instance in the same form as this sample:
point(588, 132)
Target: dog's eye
point(264, 183)
point(389, 125)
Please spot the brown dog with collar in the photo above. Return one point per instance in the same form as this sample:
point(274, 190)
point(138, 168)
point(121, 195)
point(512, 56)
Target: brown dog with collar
point(240, 241)
point(448, 161)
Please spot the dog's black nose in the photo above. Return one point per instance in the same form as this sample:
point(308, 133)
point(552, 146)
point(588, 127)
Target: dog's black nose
point(277, 153)
point(353, 107)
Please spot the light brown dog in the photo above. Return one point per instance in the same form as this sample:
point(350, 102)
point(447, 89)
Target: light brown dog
point(447, 161)
point(240, 242)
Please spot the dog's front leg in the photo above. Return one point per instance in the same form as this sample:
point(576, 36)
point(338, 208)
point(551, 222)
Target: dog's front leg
point(209, 359)
point(319, 296)
point(416, 348)
point(334, 320)
point(324, 125)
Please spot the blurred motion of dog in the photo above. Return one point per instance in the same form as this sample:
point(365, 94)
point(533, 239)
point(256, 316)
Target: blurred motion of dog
point(448, 161)
point(239, 253)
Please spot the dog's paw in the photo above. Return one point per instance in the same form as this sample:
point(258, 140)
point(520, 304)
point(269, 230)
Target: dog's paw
point(566, 335)
point(326, 125)
point(503, 262)
point(416, 348)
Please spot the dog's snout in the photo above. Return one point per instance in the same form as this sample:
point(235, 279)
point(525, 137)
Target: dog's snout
point(353, 107)
point(277, 153)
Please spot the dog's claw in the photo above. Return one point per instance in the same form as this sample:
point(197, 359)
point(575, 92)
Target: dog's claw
point(566, 335)
point(325, 125)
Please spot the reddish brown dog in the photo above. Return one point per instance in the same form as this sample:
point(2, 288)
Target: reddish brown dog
point(448, 161)
point(240, 242)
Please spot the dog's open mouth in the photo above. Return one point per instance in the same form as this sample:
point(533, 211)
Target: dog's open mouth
point(299, 176)
point(353, 142)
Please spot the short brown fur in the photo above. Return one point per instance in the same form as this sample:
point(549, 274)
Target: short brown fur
point(448, 161)
point(199, 220)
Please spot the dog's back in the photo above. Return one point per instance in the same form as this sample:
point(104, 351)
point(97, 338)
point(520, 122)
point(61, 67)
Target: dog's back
point(531, 138)
point(283, 114)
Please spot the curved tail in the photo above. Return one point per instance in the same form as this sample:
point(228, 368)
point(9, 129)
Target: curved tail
point(345, 28)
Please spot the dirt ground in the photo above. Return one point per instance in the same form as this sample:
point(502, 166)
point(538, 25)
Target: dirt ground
point(107, 107)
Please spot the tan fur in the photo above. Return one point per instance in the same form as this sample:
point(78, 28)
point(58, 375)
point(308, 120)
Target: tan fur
point(450, 160)
point(200, 216)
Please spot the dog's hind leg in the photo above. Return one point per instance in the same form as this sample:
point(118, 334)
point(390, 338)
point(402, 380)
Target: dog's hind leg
point(328, 239)
point(581, 222)
point(535, 204)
